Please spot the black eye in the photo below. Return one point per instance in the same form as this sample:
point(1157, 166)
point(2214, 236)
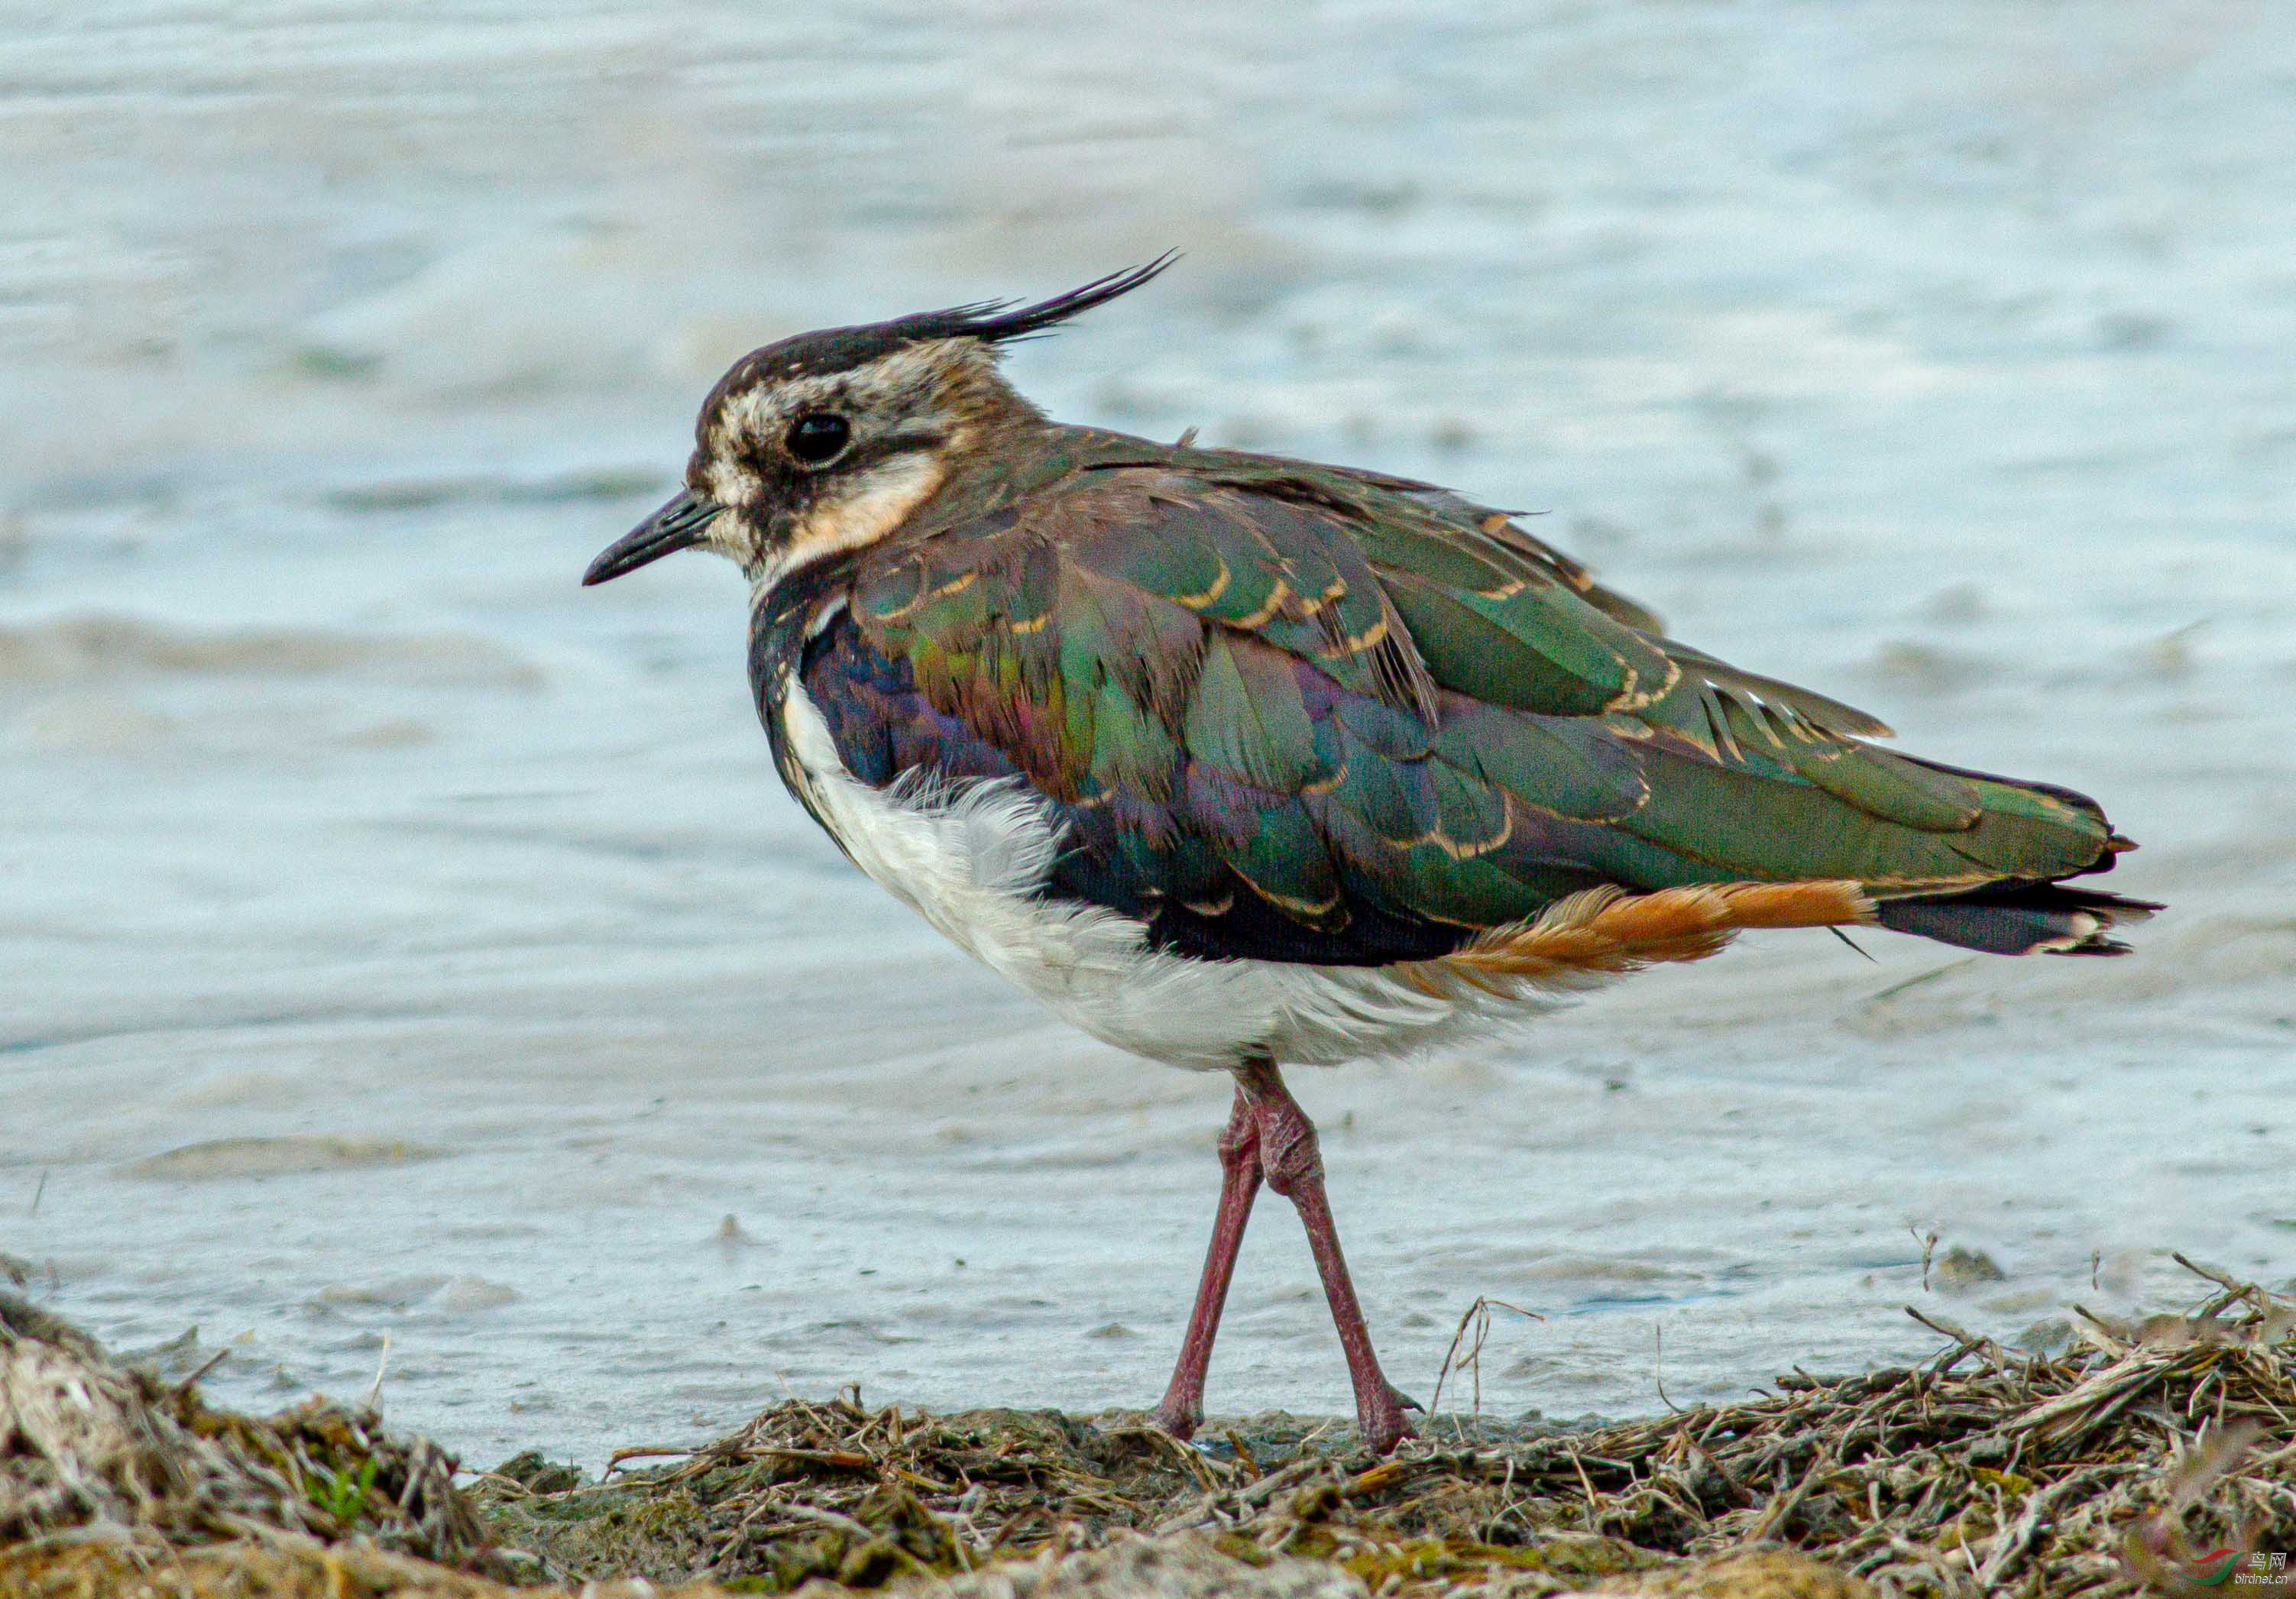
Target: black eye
point(818, 436)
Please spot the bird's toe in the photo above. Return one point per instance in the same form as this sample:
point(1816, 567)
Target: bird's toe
point(1180, 1421)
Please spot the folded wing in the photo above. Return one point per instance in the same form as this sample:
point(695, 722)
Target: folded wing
point(1294, 714)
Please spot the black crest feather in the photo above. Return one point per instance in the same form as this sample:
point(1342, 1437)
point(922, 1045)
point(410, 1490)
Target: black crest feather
point(997, 321)
point(993, 322)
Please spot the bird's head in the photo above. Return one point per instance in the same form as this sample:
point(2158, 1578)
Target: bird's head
point(828, 441)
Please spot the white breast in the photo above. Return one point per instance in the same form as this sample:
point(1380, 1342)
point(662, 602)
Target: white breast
point(969, 857)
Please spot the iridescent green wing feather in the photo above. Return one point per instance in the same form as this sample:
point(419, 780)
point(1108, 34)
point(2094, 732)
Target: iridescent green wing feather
point(1317, 714)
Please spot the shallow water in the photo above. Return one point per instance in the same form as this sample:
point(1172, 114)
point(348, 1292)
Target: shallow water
point(399, 942)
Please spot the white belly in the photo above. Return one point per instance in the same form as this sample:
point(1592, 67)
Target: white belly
point(969, 857)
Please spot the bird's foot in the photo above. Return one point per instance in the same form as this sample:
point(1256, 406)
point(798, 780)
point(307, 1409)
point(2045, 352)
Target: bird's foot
point(1178, 1418)
point(1380, 1416)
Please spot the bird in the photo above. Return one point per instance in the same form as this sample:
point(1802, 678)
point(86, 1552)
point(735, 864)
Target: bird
point(1238, 761)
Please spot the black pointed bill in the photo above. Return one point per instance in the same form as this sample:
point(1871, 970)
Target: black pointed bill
point(678, 526)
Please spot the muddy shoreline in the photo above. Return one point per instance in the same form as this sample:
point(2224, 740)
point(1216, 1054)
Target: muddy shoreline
point(2143, 1460)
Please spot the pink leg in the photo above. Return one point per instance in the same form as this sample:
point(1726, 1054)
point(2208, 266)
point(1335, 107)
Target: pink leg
point(1294, 1166)
point(1239, 1151)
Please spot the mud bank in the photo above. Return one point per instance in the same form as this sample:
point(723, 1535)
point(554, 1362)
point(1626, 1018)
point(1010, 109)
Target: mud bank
point(2143, 1460)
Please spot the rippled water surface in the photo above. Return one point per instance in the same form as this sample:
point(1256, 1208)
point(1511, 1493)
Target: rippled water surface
point(399, 942)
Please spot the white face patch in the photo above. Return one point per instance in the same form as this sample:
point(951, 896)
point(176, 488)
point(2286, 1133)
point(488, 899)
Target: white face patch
point(853, 515)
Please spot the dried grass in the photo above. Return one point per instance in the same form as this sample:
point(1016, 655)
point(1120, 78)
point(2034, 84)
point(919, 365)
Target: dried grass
point(2111, 1470)
point(93, 1453)
point(2105, 1471)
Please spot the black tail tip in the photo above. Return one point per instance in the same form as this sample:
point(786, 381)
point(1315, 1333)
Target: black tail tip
point(2019, 919)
